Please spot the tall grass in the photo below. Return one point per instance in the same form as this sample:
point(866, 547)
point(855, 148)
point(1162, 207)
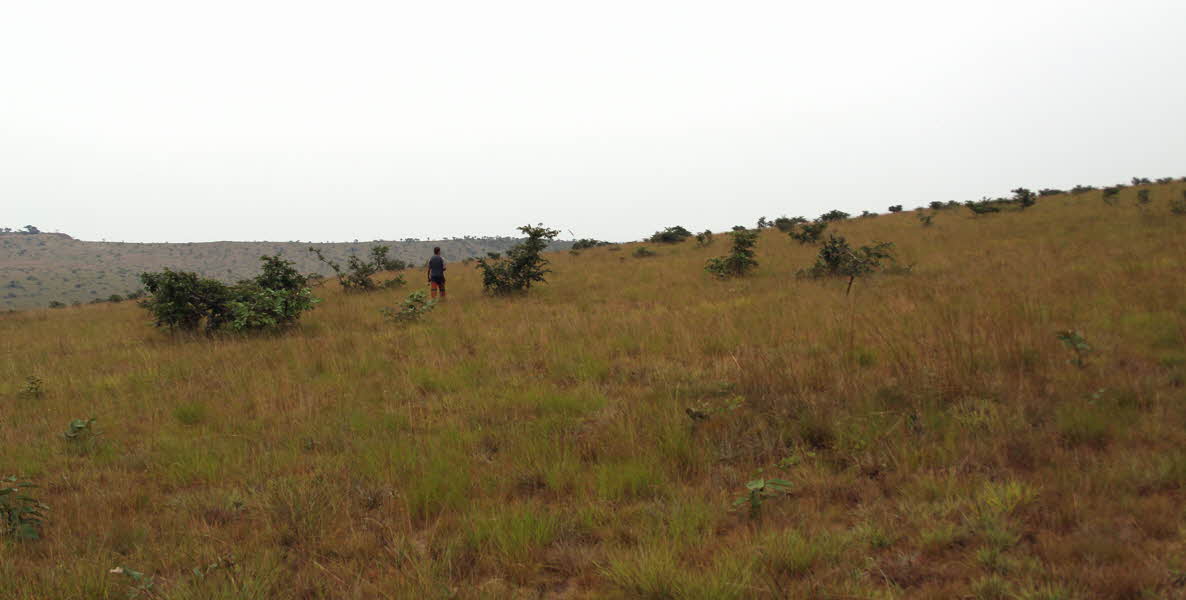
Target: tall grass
point(938, 441)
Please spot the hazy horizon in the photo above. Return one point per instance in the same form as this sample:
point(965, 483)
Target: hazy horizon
point(152, 122)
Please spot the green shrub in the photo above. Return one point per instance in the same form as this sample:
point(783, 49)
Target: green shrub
point(833, 215)
point(585, 243)
point(740, 259)
point(1178, 205)
point(787, 224)
point(837, 259)
point(414, 307)
point(643, 252)
point(704, 238)
point(809, 233)
point(1024, 198)
point(670, 235)
point(21, 515)
point(183, 300)
point(982, 207)
point(897, 208)
point(523, 265)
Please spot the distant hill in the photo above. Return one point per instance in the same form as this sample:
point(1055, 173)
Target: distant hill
point(39, 268)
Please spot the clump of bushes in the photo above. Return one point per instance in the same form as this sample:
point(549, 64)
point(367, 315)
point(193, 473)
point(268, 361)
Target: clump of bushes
point(1042, 193)
point(809, 233)
point(740, 259)
point(670, 235)
point(897, 208)
point(704, 238)
point(787, 224)
point(585, 243)
point(1081, 189)
point(838, 259)
point(182, 300)
point(523, 265)
point(833, 215)
point(983, 207)
point(643, 252)
point(358, 274)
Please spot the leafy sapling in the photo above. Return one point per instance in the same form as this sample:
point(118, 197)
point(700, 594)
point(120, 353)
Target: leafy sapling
point(757, 491)
point(21, 515)
point(413, 308)
point(1078, 344)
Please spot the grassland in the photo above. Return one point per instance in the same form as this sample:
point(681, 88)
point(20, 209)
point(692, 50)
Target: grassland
point(938, 442)
point(36, 269)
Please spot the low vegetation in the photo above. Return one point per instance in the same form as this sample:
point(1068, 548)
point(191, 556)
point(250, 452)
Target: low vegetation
point(927, 436)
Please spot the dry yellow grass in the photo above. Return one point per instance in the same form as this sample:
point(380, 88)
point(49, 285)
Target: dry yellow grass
point(938, 441)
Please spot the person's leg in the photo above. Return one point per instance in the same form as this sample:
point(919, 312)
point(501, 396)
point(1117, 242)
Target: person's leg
point(433, 286)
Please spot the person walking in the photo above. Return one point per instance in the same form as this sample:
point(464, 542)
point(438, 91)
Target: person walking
point(436, 273)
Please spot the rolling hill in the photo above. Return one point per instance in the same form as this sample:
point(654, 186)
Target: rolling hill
point(36, 269)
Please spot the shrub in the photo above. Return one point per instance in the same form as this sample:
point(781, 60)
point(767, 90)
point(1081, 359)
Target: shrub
point(57, 304)
point(21, 515)
point(704, 238)
point(740, 259)
point(357, 276)
point(585, 243)
point(670, 235)
point(183, 300)
point(833, 215)
point(1081, 189)
point(1178, 205)
point(787, 224)
point(34, 387)
point(1023, 197)
point(838, 259)
point(866, 214)
point(1143, 197)
point(413, 308)
point(115, 298)
point(809, 233)
point(1042, 193)
point(1141, 181)
point(897, 208)
point(763, 223)
point(926, 220)
point(982, 207)
point(522, 266)
point(643, 252)
point(936, 205)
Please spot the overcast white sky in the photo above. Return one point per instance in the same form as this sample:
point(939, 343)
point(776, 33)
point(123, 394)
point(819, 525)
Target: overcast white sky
point(289, 120)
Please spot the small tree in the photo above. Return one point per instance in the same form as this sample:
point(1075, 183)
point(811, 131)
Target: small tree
point(809, 233)
point(524, 263)
point(357, 276)
point(670, 235)
point(740, 259)
point(704, 238)
point(833, 215)
point(838, 259)
point(1024, 198)
point(897, 208)
point(763, 223)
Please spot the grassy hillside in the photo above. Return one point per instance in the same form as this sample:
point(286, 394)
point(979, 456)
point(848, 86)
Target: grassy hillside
point(36, 269)
point(938, 442)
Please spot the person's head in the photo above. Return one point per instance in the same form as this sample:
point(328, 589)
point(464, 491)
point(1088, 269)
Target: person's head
point(436, 250)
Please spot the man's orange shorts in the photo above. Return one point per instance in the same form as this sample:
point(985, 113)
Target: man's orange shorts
point(437, 284)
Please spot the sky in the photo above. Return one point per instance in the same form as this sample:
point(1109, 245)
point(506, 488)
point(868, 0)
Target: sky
point(334, 121)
